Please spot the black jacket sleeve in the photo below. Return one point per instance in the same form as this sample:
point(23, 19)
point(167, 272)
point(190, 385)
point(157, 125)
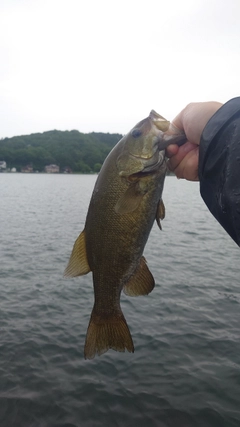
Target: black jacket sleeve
point(219, 167)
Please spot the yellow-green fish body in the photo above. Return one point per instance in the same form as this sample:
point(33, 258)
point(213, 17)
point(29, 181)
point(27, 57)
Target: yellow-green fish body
point(126, 199)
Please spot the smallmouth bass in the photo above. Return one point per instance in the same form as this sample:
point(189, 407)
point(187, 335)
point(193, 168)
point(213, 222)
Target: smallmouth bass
point(126, 200)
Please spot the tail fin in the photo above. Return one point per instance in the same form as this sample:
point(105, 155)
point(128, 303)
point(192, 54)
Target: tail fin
point(107, 332)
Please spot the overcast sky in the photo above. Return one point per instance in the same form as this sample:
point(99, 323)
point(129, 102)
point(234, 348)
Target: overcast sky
point(102, 65)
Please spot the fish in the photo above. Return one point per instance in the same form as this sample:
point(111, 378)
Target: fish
point(126, 200)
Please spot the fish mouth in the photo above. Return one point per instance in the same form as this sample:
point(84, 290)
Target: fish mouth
point(151, 163)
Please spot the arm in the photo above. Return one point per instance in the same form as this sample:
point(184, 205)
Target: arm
point(213, 157)
point(219, 167)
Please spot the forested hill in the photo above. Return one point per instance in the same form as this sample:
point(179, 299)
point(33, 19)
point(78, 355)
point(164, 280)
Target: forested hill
point(70, 150)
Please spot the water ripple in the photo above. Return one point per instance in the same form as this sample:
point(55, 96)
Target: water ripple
point(185, 371)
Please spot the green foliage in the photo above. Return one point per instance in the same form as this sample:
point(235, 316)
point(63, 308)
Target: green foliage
point(97, 167)
point(74, 150)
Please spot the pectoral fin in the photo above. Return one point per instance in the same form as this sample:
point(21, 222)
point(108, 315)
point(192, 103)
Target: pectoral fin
point(142, 282)
point(160, 214)
point(131, 199)
point(78, 263)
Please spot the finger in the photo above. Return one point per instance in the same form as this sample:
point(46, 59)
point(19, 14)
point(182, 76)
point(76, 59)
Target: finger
point(178, 121)
point(194, 117)
point(188, 167)
point(182, 151)
point(172, 150)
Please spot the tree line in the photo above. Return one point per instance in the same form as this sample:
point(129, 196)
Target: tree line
point(72, 150)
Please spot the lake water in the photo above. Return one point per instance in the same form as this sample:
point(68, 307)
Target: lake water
point(185, 371)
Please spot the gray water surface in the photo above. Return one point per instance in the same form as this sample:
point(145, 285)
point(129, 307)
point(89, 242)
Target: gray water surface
point(185, 371)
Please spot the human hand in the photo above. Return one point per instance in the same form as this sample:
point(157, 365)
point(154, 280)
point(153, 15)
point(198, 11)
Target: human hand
point(183, 160)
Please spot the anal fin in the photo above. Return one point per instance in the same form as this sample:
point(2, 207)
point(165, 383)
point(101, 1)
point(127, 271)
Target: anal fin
point(142, 282)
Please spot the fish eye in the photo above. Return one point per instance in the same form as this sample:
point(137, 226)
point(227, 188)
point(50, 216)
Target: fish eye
point(136, 133)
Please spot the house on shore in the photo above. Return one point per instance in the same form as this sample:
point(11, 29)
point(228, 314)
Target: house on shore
point(3, 166)
point(66, 169)
point(27, 169)
point(51, 169)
